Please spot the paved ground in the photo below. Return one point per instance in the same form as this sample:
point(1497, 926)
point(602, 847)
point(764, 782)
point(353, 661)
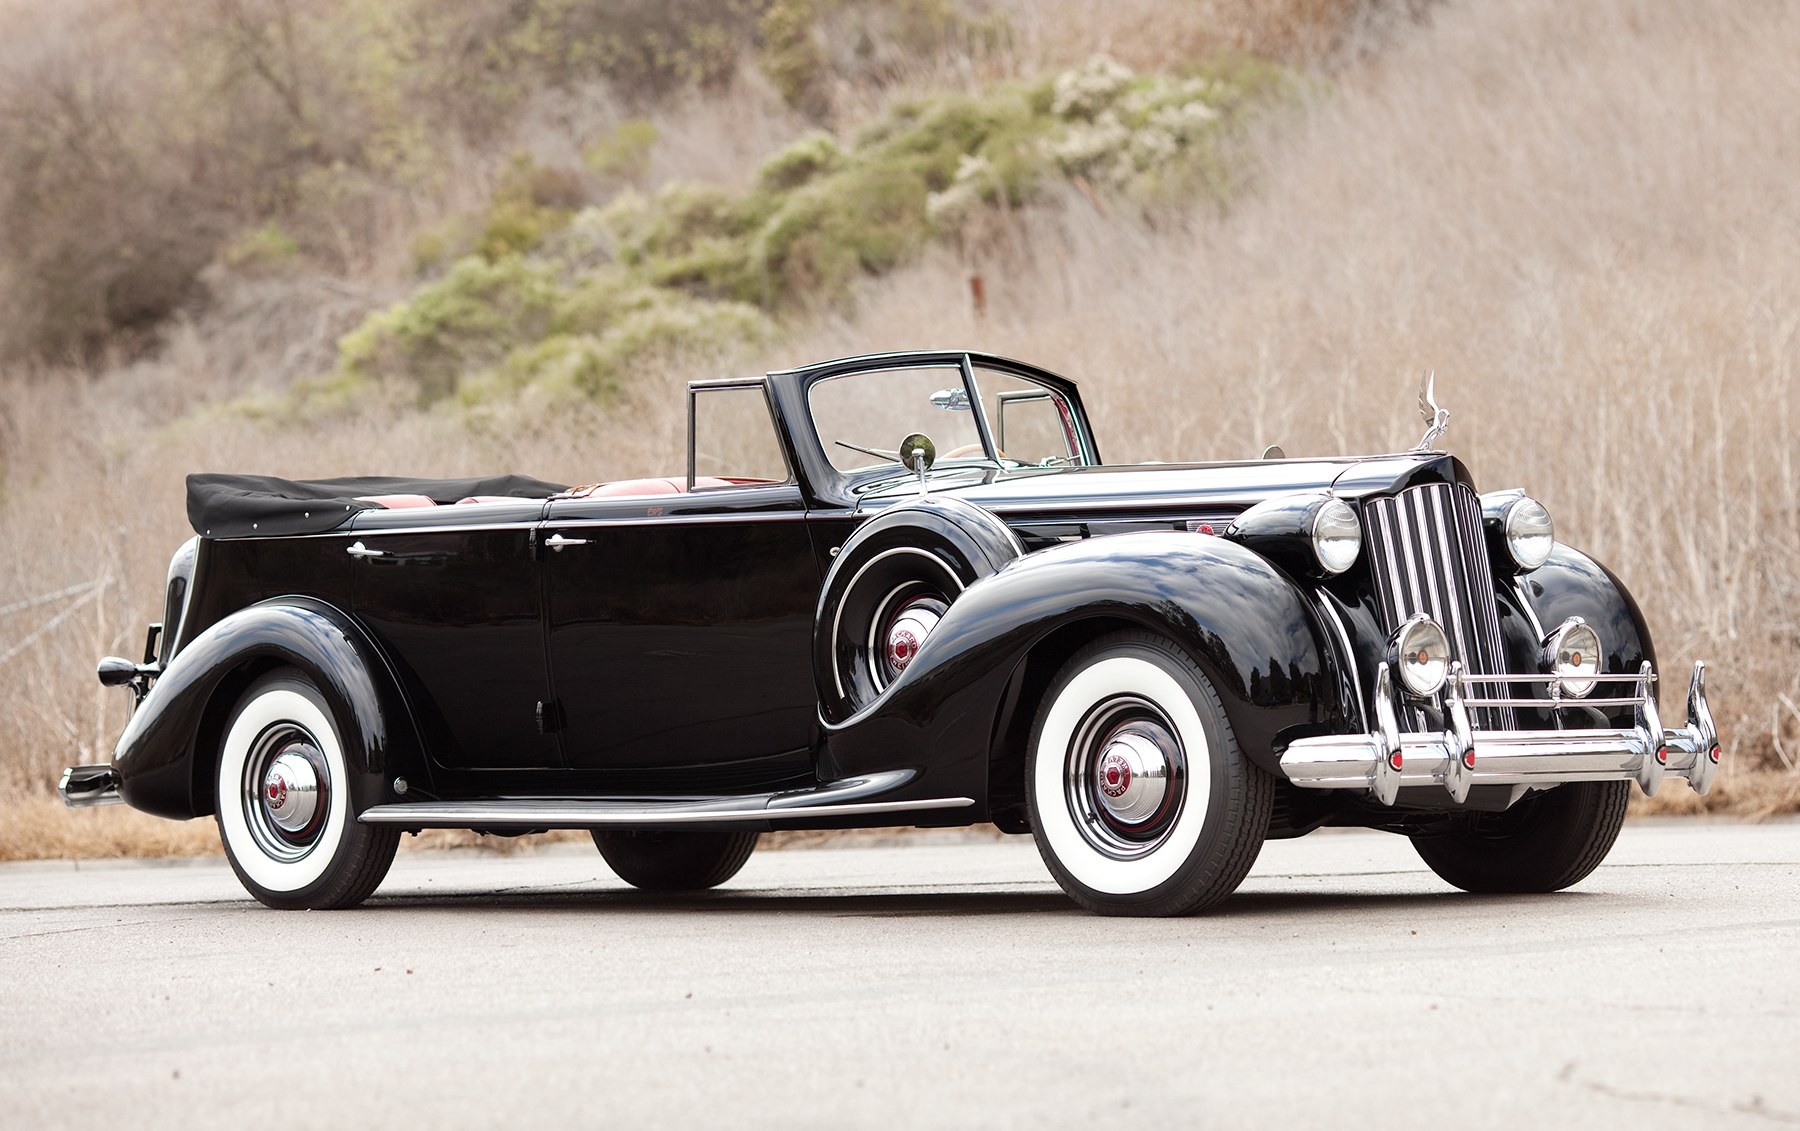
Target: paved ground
point(931, 984)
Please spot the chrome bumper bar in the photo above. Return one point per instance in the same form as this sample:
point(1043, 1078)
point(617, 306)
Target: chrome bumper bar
point(82, 786)
point(1461, 757)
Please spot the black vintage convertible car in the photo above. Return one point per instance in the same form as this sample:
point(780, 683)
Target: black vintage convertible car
point(1150, 668)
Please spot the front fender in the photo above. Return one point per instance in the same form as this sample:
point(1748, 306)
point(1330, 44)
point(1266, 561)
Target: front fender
point(1246, 624)
point(1571, 584)
point(166, 757)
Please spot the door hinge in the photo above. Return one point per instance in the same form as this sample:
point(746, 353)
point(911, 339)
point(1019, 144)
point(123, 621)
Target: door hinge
point(549, 716)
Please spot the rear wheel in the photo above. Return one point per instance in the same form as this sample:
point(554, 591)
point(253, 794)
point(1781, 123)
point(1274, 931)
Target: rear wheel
point(1140, 799)
point(675, 861)
point(1546, 842)
point(283, 802)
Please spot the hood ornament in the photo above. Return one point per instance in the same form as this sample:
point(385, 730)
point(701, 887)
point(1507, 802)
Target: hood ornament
point(1437, 420)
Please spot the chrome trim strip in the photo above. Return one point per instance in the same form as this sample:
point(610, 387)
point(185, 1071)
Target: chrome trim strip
point(676, 519)
point(837, 614)
point(590, 814)
point(1537, 626)
point(635, 520)
point(1330, 615)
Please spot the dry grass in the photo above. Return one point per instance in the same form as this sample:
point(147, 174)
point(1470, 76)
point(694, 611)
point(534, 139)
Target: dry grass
point(1579, 216)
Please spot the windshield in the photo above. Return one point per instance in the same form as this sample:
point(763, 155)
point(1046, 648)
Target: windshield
point(862, 418)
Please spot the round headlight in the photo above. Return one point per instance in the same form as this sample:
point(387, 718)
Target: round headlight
point(1336, 536)
point(1529, 533)
point(1573, 654)
point(1420, 655)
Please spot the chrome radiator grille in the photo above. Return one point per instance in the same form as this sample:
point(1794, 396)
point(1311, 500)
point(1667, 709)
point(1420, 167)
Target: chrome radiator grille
point(1427, 555)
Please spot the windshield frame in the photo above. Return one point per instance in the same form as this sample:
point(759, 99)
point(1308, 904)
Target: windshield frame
point(829, 487)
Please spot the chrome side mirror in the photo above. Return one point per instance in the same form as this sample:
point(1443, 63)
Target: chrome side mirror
point(918, 453)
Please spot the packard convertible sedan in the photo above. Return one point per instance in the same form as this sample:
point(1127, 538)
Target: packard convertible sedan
point(900, 589)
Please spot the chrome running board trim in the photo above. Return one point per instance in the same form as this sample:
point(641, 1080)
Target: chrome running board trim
point(832, 799)
point(588, 814)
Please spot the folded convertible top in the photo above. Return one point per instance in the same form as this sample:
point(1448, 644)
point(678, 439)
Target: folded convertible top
point(261, 506)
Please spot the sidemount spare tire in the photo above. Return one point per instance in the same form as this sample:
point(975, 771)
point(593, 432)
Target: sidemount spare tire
point(888, 586)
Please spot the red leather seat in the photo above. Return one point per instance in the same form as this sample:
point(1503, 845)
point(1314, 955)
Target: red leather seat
point(620, 488)
point(397, 502)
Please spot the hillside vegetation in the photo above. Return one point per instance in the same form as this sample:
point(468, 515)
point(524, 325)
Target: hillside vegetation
point(339, 237)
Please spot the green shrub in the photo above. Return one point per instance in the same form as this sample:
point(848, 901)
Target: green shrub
point(562, 301)
point(815, 154)
point(469, 319)
point(267, 246)
point(622, 154)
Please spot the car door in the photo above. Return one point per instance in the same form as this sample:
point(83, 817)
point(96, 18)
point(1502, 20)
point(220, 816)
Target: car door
point(455, 598)
point(680, 611)
point(681, 632)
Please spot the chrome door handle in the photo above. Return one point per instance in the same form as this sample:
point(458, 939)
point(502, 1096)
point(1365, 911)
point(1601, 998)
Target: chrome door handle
point(557, 542)
point(358, 550)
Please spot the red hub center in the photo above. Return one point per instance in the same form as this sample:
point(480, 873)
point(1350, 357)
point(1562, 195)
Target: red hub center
point(902, 647)
point(277, 788)
point(1115, 776)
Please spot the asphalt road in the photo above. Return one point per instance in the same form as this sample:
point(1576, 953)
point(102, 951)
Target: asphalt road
point(937, 983)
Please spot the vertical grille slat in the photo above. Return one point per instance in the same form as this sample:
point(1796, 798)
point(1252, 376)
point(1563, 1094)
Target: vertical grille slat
point(1427, 555)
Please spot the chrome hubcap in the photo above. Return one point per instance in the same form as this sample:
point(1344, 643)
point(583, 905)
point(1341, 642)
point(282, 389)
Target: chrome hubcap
point(908, 631)
point(291, 791)
point(1126, 777)
point(286, 792)
point(1133, 775)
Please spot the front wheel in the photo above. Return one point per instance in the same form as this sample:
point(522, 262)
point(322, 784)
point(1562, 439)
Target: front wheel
point(1141, 801)
point(675, 861)
point(1546, 842)
point(283, 802)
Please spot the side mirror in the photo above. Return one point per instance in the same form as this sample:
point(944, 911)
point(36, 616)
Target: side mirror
point(918, 453)
point(116, 671)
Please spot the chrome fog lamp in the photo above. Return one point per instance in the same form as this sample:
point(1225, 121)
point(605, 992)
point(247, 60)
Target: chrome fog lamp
point(1572, 654)
point(1420, 654)
point(1529, 533)
point(1336, 536)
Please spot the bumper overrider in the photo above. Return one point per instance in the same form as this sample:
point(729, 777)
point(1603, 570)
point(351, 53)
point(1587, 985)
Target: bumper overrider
point(82, 786)
point(1461, 757)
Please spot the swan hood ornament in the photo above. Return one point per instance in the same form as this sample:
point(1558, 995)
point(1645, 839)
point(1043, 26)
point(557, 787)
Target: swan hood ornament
point(1437, 420)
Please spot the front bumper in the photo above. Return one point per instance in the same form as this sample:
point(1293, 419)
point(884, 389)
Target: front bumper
point(1385, 760)
point(82, 786)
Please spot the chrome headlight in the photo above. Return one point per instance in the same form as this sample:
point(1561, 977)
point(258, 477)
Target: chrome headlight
point(1419, 654)
point(1530, 535)
point(1308, 533)
point(1572, 653)
point(1336, 536)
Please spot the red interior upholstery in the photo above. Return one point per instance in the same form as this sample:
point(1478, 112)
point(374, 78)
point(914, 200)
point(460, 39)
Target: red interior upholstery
point(397, 502)
point(620, 488)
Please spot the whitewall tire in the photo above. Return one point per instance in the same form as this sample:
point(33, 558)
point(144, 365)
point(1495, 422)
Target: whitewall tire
point(283, 805)
point(1140, 800)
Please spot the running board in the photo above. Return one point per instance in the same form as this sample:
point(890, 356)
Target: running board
point(848, 798)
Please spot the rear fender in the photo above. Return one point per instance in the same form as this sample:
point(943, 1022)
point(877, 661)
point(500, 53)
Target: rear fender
point(167, 757)
point(1247, 626)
